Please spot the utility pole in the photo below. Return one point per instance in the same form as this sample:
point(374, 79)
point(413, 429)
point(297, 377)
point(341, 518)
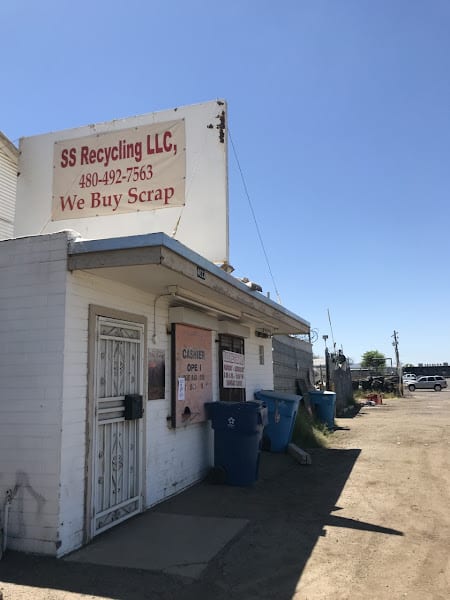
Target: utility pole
point(397, 360)
point(327, 364)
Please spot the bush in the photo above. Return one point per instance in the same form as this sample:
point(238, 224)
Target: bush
point(308, 432)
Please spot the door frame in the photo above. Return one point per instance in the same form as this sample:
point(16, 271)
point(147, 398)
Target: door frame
point(110, 313)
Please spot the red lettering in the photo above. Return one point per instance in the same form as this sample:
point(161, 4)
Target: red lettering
point(132, 196)
point(71, 203)
point(164, 194)
point(84, 155)
point(68, 157)
point(95, 199)
point(154, 148)
point(110, 201)
point(99, 155)
point(168, 194)
point(159, 148)
point(147, 193)
point(64, 160)
point(167, 145)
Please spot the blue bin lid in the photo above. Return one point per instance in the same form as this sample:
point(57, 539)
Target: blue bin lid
point(273, 395)
point(249, 416)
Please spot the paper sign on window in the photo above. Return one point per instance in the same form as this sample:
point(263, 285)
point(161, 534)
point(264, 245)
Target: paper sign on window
point(233, 369)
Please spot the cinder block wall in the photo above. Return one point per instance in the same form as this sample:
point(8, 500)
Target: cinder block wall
point(292, 364)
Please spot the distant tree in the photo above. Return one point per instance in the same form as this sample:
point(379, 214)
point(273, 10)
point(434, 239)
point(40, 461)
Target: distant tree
point(374, 360)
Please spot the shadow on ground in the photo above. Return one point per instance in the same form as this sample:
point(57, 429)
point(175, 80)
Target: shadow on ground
point(351, 411)
point(286, 510)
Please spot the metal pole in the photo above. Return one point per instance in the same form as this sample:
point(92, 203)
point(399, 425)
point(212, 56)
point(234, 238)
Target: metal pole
point(327, 368)
point(397, 359)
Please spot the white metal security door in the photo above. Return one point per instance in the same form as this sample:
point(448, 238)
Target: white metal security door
point(117, 469)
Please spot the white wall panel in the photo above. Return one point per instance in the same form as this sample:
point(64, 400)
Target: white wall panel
point(8, 184)
point(175, 459)
point(31, 363)
point(258, 377)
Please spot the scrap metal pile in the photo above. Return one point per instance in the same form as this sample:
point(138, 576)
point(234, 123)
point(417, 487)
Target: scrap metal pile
point(378, 383)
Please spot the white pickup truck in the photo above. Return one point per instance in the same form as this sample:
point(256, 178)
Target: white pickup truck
point(407, 377)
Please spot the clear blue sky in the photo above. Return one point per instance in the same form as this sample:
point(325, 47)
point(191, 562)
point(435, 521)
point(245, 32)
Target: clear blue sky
point(340, 114)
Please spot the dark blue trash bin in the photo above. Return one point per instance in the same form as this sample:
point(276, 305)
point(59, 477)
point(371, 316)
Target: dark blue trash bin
point(238, 428)
point(324, 403)
point(282, 411)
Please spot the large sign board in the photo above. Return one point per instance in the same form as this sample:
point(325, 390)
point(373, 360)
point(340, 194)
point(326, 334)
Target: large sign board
point(158, 172)
point(143, 168)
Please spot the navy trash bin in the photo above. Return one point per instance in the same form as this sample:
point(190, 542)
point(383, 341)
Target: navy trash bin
point(238, 428)
point(282, 411)
point(324, 403)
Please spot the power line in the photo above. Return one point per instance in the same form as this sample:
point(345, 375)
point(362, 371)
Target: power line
point(331, 327)
point(254, 216)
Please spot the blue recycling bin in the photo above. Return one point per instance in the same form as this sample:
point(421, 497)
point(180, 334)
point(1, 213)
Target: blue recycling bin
point(238, 428)
point(324, 404)
point(282, 411)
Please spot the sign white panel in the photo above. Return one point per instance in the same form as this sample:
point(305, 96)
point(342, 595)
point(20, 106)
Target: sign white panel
point(233, 369)
point(121, 193)
point(136, 169)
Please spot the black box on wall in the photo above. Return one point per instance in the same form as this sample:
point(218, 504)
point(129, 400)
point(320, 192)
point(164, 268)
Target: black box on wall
point(134, 408)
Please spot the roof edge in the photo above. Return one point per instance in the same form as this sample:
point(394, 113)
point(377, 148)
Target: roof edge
point(82, 246)
point(11, 149)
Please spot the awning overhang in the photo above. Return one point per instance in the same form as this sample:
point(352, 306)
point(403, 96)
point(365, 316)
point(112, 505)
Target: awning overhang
point(160, 265)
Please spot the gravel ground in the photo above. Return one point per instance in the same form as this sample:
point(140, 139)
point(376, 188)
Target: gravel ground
point(369, 519)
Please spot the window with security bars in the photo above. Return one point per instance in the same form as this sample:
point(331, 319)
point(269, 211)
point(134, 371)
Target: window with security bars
point(233, 344)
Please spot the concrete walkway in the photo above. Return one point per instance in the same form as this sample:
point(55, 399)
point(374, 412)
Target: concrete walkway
point(156, 541)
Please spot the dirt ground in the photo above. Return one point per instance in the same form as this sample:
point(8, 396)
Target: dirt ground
point(369, 519)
